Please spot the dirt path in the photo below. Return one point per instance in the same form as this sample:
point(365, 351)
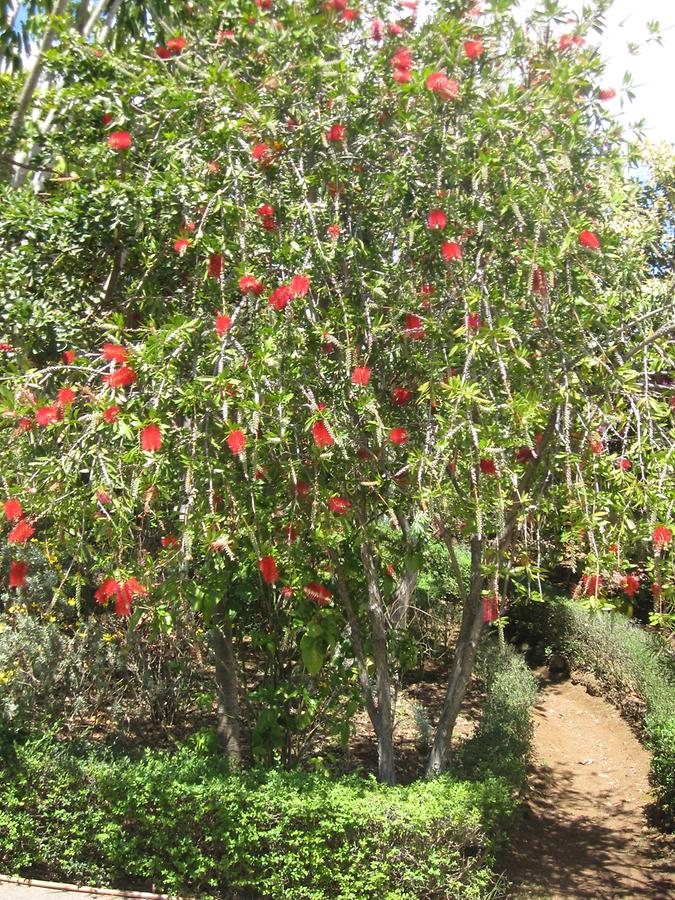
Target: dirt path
point(584, 834)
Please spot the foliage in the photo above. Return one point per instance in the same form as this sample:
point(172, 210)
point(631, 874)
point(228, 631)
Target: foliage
point(629, 663)
point(445, 310)
point(503, 740)
point(182, 822)
point(91, 674)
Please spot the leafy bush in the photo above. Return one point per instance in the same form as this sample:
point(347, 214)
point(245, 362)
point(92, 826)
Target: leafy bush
point(49, 675)
point(182, 822)
point(636, 669)
point(502, 742)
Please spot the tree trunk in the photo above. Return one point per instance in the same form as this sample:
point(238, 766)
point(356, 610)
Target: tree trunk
point(386, 768)
point(462, 664)
point(31, 83)
point(227, 684)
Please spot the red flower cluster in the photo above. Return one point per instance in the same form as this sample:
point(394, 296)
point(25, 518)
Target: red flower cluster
point(250, 284)
point(236, 441)
point(268, 570)
point(413, 327)
point(630, 585)
point(123, 594)
point(490, 609)
point(215, 265)
point(321, 434)
point(151, 438)
point(17, 573)
point(318, 592)
point(446, 88)
point(437, 220)
point(223, 324)
point(401, 63)
point(474, 48)
point(661, 536)
point(361, 375)
point(451, 250)
point(339, 505)
point(119, 140)
point(589, 239)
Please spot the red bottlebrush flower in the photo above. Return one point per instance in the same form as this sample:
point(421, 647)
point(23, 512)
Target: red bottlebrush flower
point(473, 323)
point(474, 49)
point(402, 76)
point(151, 438)
point(123, 377)
point(333, 231)
point(361, 375)
point(104, 498)
point(163, 53)
point(180, 245)
point(622, 463)
point(302, 489)
point(108, 589)
point(236, 441)
point(119, 140)
point(215, 265)
point(114, 353)
point(607, 94)
point(399, 436)
point(250, 284)
point(123, 601)
point(413, 327)
point(401, 395)
point(318, 592)
point(300, 285)
point(280, 298)
point(134, 587)
point(321, 434)
point(395, 29)
point(263, 4)
point(68, 357)
point(437, 219)
point(22, 427)
point(106, 119)
point(630, 585)
point(488, 466)
point(661, 536)
point(596, 446)
point(524, 455)
point(269, 223)
point(223, 324)
point(6, 348)
point(656, 590)
point(65, 397)
point(570, 40)
point(350, 15)
point(268, 570)
point(265, 210)
point(427, 290)
point(262, 154)
point(17, 574)
point(22, 532)
point(13, 509)
point(339, 505)
point(591, 585)
point(170, 541)
point(613, 548)
point(110, 414)
point(490, 609)
point(176, 44)
point(539, 283)
point(451, 250)
point(589, 239)
point(376, 27)
point(446, 88)
point(47, 415)
point(402, 59)
point(336, 133)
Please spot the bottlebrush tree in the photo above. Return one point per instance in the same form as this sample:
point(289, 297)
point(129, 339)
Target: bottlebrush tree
point(332, 271)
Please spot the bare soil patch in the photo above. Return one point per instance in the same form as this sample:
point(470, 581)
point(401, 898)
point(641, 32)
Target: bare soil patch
point(584, 832)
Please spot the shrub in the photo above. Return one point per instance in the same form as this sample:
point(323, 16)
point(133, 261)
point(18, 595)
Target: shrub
point(503, 740)
point(635, 668)
point(182, 822)
point(50, 675)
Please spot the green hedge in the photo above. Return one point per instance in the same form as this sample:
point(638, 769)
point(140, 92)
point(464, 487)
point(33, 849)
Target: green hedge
point(182, 822)
point(628, 661)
